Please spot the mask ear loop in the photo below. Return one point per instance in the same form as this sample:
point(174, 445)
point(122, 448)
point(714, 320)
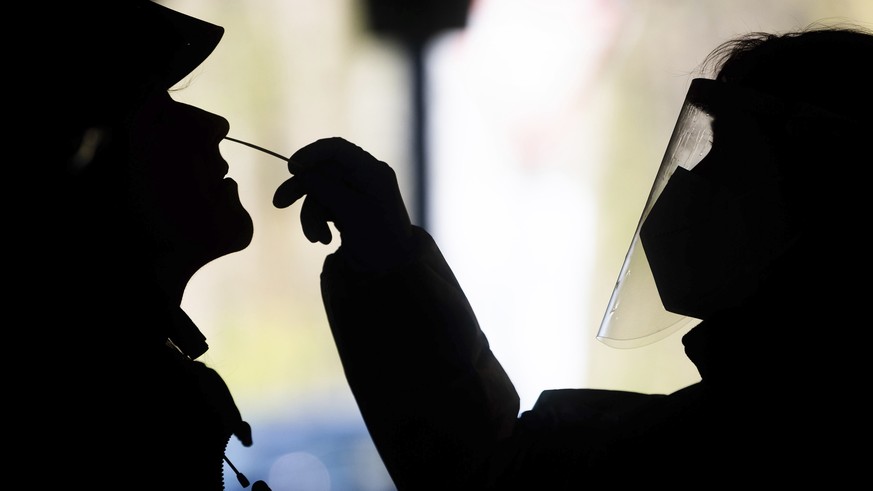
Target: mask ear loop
point(268, 152)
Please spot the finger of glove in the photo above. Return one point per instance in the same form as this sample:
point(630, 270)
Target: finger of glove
point(314, 218)
point(294, 167)
point(289, 192)
point(344, 156)
point(343, 162)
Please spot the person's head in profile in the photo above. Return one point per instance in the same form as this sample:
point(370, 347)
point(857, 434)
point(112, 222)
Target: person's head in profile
point(756, 209)
point(141, 183)
point(133, 201)
point(786, 149)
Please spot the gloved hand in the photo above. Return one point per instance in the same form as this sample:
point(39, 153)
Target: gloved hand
point(346, 185)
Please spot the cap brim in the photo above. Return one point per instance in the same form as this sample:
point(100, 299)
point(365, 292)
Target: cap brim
point(198, 40)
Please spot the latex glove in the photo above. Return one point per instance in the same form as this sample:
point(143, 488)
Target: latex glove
point(344, 184)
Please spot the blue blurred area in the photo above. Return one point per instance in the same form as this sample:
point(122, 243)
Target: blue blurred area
point(310, 455)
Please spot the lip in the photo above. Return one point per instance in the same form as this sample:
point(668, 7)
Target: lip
point(225, 167)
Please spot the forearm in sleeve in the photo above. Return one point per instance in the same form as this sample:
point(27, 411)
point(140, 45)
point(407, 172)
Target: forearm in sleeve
point(434, 398)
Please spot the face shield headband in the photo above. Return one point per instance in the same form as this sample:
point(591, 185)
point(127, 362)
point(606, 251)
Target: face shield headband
point(705, 237)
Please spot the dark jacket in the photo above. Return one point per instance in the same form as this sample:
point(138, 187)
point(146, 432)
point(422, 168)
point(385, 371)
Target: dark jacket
point(124, 407)
point(444, 415)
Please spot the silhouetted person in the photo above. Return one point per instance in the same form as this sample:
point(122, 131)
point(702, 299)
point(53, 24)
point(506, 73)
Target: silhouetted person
point(133, 201)
point(763, 240)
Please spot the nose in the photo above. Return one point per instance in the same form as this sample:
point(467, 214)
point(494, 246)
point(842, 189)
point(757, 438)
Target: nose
point(218, 126)
point(222, 125)
point(215, 127)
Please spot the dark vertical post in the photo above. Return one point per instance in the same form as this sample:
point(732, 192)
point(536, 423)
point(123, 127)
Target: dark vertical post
point(414, 23)
point(419, 133)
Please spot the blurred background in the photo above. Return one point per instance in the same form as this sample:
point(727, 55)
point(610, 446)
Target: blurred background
point(526, 135)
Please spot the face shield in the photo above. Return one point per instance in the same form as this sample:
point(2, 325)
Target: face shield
point(715, 218)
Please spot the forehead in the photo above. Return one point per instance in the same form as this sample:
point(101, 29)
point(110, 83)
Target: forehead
point(725, 133)
point(742, 151)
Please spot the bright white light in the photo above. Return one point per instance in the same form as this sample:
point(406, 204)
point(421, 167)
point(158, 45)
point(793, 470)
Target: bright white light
point(513, 155)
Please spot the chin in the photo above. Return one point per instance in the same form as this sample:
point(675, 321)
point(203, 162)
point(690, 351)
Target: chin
point(240, 235)
point(225, 233)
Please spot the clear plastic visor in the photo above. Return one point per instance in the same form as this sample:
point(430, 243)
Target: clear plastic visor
point(635, 315)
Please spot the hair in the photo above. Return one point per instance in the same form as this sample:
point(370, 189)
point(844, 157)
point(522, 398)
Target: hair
point(826, 66)
point(820, 75)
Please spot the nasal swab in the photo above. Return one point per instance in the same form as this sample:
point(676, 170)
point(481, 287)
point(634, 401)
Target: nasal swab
point(274, 154)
